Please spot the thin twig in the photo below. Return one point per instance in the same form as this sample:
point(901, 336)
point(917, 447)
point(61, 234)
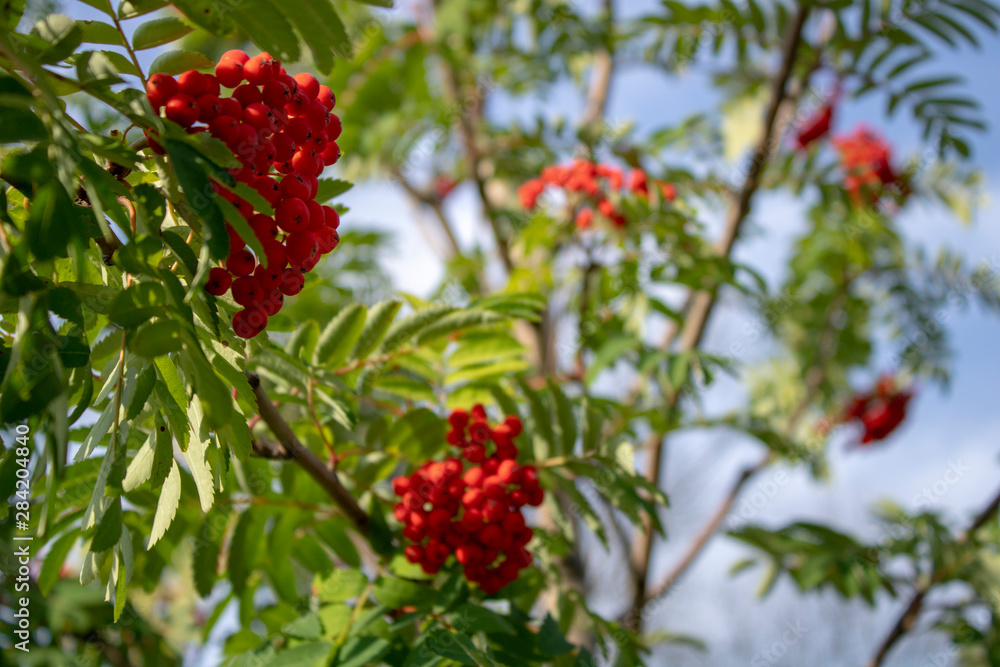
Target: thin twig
point(325, 477)
point(908, 618)
point(702, 303)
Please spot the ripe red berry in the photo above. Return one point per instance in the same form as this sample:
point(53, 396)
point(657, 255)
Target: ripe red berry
point(292, 282)
point(273, 302)
point(509, 472)
point(326, 97)
point(210, 107)
point(330, 154)
point(298, 129)
point(229, 72)
point(307, 84)
point(301, 246)
point(317, 216)
point(219, 281)
point(231, 107)
point(331, 217)
point(276, 257)
point(192, 83)
point(268, 188)
point(306, 163)
point(259, 116)
point(247, 291)
point(284, 146)
point(269, 277)
point(249, 322)
point(474, 453)
point(182, 109)
point(240, 262)
point(414, 553)
point(160, 88)
point(246, 95)
point(293, 186)
point(334, 128)
point(275, 94)
point(292, 215)
point(259, 69)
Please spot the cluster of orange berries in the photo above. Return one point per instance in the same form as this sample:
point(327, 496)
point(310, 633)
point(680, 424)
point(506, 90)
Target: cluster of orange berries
point(473, 513)
point(283, 132)
point(592, 184)
point(867, 162)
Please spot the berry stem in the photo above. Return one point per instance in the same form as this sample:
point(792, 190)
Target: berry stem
point(128, 47)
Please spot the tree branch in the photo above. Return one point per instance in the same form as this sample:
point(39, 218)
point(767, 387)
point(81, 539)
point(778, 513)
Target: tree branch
point(702, 303)
point(908, 618)
point(603, 68)
point(295, 450)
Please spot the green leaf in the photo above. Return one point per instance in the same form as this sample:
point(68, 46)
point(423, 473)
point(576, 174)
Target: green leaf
point(245, 547)
point(470, 617)
point(550, 638)
point(340, 585)
point(330, 188)
point(196, 451)
point(98, 32)
point(54, 222)
point(156, 338)
point(379, 318)
point(159, 32)
point(417, 436)
point(303, 655)
point(137, 304)
point(54, 560)
point(176, 62)
point(361, 651)
point(395, 593)
point(266, 25)
point(194, 179)
point(128, 9)
point(610, 352)
point(209, 14)
point(340, 336)
point(63, 35)
point(17, 125)
point(166, 506)
point(109, 530)
point(321, 29)
point(207, 543)
point(307, 626)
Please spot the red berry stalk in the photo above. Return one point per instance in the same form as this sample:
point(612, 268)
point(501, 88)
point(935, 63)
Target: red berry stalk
point(282, 131)
point(473, 513)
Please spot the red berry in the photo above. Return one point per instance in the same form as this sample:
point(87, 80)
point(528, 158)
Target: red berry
point(472, 521)
point(240, 262)
point(276, 257)
point(183, 110)
point(235, 55)
point(317, 116)
point(269, 277)
point(474, 453)
point(284, 146)
point(301, 246)
point(231, 108)
point(469, 554)
point(508, 472)
point(333, 128)
point(325, 97)
point(512, 522)
point(306, 163)
point(473, 498)
point(292, 215)
point(298, 129)
point(331, 217)
point(414, 553)
point(219, 281)
point(293, 186)
point(192, 83)
point(474, 477)
point(246, 95)
point(268, 188)
point(292, 283)
point(229, 73)
point(307, 84)
point(247, 291)
point(491, 536)
point(249, 322)
point(401, 485)
point(259, 116)
point(160, 88)
point(273, 302)
point(317, 216)
point(275, 94)
point(330, 154)
point(259, 69)
point(209, 106)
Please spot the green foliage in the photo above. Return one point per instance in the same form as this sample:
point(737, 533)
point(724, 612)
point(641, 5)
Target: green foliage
point(153, 469)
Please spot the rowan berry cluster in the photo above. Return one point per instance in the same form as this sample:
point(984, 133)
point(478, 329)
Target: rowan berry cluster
point(282, 130)
point(473, 513)
point(866, 159)
point(815, 127)
point(589, 188)
point(880, 411)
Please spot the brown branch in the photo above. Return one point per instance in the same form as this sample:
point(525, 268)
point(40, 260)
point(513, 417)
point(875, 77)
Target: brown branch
point(702, 303)
point(603, 68)
point(316, 469)
point(908, 618)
